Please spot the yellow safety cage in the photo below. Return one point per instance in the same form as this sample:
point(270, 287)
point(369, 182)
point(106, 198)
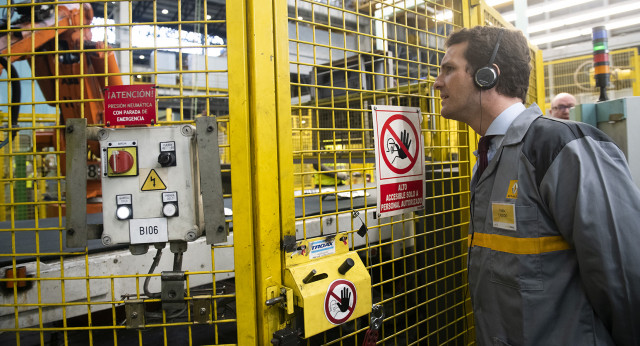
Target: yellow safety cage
point(290, 85)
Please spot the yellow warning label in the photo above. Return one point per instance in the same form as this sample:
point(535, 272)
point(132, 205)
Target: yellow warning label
point(512, 192)
point(153, 182)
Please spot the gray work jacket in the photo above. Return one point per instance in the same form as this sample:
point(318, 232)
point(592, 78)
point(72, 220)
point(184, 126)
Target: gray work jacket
point(554, 256)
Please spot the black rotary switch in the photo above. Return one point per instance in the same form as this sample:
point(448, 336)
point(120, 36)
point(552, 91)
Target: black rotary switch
point(167, 159)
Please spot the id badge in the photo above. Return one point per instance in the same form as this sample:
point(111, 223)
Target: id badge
point(504, 216)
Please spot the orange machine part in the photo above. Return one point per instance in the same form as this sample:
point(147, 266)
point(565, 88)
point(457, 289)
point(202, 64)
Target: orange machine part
point(66, 83)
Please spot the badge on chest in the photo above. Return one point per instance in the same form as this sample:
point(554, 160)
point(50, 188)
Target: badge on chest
point(504, 216)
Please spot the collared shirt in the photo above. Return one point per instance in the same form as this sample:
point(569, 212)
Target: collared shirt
point(498, 128)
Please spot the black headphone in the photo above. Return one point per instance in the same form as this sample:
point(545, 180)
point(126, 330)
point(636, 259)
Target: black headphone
point(487, 77)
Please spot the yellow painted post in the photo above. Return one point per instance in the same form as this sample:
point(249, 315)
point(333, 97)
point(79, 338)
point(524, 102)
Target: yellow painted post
point(241, 174)
point(636, 73)
point(283, 100)
point(3, 170)
point(475, 13)
point(539, 66)
point(261, 157)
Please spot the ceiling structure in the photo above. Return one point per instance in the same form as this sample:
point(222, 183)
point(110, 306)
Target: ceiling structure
point(562, 28)
point(166, 11)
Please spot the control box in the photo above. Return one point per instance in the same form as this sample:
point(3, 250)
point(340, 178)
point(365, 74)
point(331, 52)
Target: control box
point(150, 185)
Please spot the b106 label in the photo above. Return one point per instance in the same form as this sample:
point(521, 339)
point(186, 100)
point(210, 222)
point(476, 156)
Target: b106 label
point(144, 231)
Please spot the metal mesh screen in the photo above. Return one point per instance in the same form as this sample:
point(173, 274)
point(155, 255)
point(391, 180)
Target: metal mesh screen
point(346, 56)
point(57, 58)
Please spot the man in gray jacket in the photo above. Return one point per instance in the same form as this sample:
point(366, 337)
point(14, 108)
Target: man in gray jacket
point(554, 236)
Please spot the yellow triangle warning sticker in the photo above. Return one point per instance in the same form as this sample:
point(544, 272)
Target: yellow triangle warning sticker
point(153, 182)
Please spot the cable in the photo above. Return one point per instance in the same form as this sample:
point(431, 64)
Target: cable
point(156, 260)
point(471, 212)
point(177, 263)
point(176, 314)
point(15, 98)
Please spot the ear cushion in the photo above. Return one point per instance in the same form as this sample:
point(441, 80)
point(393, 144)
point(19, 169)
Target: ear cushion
point(486, 77)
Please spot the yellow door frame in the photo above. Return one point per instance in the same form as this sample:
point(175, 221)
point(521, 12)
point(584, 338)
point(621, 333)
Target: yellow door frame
point(261, 159)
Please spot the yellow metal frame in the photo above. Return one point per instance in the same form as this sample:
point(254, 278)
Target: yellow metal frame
point(241, 174)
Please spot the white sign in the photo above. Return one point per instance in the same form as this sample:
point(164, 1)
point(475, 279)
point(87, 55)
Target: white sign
point(123, 199)
point(399, 159)
point(145, 231)
point(167, 146)
point(169, 197)
point(320, 248)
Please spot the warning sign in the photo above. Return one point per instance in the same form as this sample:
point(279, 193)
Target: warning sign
point(399, 159)
point(340, 301)
point(130, 105)
point(153, 182)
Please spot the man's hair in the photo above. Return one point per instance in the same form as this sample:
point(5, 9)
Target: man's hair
point(513, 57)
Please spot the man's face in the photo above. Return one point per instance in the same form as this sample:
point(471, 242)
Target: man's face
point(458, 92)
point(562, 106)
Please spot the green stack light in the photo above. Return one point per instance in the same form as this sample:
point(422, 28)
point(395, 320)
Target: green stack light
point(601, 60)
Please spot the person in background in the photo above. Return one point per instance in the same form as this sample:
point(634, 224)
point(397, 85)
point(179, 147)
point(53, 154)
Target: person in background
point(561, 105)
point(328, 177)
point(553, 257)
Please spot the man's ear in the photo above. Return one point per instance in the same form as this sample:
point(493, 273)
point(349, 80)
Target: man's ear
point(497, 69)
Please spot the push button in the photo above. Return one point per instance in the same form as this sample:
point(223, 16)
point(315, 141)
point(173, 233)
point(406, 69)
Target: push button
point(120, 161)
point(124, 207)
point(169, 210)
point(124, 212)
point(170, 204)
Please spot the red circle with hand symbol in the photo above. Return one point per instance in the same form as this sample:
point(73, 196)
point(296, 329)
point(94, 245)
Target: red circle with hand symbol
point(340, 301)
point(397, 146)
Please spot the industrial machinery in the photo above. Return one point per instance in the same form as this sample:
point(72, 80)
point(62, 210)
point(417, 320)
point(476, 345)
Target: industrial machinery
point(165, 208)
point(618, 118)
point(57, 30)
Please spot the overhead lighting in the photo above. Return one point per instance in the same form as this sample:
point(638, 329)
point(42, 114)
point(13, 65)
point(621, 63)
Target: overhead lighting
point(445, 15)
point(585, 17)
point(165, 11)
point(493, 3)
point(622, 23)
point(543, 8)
point(564, 35)
point(208, 17)
point(141, 57)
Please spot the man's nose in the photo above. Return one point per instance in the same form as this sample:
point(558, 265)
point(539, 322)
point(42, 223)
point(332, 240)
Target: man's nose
point(438, 83)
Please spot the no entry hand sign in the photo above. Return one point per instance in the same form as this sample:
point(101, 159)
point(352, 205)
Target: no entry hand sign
point(399, 159)
point(340, 301)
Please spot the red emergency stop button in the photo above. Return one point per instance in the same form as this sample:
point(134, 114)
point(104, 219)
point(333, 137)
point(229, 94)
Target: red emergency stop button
point(120, 161)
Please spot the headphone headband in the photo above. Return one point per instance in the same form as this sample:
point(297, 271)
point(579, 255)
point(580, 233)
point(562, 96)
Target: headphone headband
point(495, 49)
